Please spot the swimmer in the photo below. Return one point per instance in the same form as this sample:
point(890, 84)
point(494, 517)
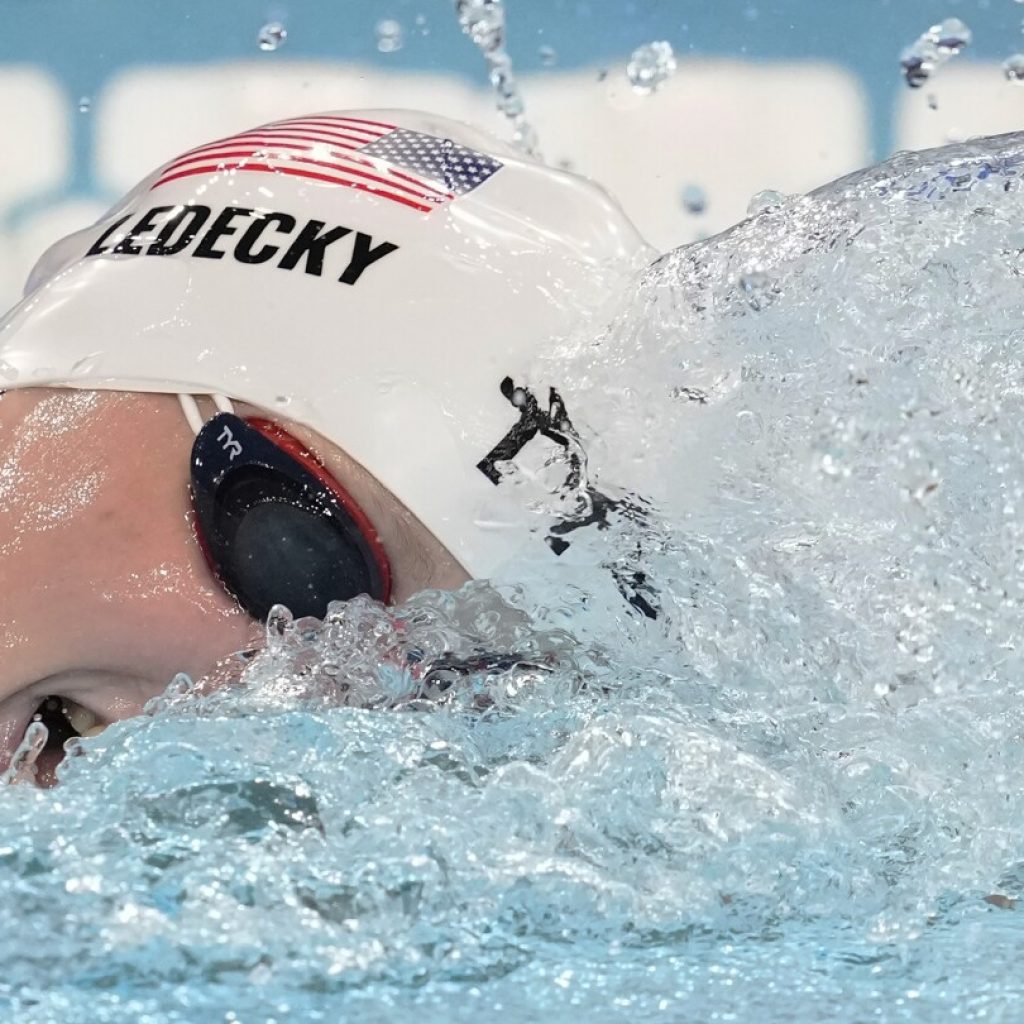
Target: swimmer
point(291, 366)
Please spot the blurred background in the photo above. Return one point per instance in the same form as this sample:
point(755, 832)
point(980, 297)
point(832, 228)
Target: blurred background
point(757, 94)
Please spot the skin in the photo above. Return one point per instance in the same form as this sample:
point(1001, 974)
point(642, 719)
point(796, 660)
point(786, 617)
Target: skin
point(105, 592)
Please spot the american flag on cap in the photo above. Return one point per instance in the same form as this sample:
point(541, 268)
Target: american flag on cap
point(410, 168)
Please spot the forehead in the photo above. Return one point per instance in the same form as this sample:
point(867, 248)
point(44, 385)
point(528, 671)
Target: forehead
point(46, 428)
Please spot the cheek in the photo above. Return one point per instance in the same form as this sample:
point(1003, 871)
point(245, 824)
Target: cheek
point(147, 556)
point(44, 500)
point(99, 565)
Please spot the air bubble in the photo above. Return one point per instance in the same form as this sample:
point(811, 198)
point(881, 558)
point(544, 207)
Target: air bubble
point(548, 56)
point(7, 371)
point(766, 199)
point(272, 36)
point(84, 104)
point(390, 36)
point(651, 66)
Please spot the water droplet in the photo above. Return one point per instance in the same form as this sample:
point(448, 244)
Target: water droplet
point(766, 199)
point(1013, 68)
point(758, 288)
point(510, 102)
point(483, 21)
point(84, 104)
point(283, 401)
point(548, 56)
point(651, 66)
point(7, 371)
point(918, 62)
point(86, 364)
point(390, 36)
point(689, 394)
point(932, 49)
point(272, 36)
point(933, 101)
point(280, 623)
point(749, 425)
point(951, 35)
point(694, 199)
point(182, 685)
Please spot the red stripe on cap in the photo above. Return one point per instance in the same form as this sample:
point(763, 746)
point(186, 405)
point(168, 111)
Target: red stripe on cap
point(298, 173)
point(241, 154)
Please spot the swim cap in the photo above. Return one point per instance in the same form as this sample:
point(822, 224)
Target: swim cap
point(389, 279)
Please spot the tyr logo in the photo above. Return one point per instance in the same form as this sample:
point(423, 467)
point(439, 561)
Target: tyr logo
point(589, 506)
point(554, 424)
point(229, 443)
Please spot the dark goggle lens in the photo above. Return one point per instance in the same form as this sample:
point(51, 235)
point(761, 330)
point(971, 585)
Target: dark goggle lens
point(273, 531)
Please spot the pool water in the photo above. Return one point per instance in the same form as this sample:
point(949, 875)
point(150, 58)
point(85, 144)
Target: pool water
point(795, 794)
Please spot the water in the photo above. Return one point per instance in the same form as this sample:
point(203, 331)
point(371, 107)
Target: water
point(650, 66)
point(548, 56)
point(932, 49)
point(484, 22)
point(765, 200)
point(272, 36)
point(1013, 68)
point(793, 796)
point(390, 35)
point(694, 199)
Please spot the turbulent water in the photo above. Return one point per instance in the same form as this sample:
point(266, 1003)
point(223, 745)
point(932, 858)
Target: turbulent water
point(794, 795)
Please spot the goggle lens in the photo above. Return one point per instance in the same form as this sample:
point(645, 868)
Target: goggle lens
point(276, 528)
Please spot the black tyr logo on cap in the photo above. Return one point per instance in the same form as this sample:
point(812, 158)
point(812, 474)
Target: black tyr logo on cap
point(554, 423)
point(593, 507)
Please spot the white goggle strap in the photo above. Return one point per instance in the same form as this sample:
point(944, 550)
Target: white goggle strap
point(190, 407)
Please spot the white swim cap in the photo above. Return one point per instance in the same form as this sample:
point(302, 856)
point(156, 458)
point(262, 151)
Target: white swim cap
point(389, 279)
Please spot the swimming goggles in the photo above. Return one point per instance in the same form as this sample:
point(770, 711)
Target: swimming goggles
point(274, 525)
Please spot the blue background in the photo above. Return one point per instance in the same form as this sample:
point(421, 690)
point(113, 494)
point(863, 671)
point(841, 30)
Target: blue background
point(83, 42)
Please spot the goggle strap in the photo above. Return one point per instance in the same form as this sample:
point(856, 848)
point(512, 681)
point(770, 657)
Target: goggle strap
point(190, 407)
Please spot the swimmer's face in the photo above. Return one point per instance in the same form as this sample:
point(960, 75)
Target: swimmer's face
point(104, 592)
